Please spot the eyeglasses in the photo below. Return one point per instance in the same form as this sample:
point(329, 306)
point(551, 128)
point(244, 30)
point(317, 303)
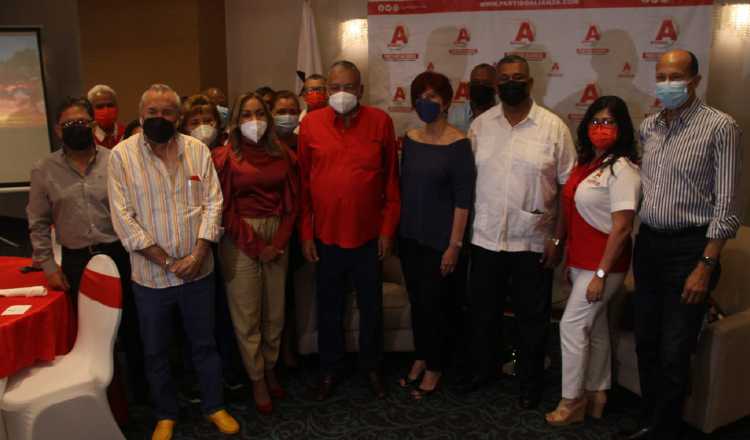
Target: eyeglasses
point(73, 122)
point(607, 122)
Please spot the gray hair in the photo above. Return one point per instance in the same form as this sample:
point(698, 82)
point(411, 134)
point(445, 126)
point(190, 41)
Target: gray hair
point(101, 88)
point(347, 65)
point(159, 88)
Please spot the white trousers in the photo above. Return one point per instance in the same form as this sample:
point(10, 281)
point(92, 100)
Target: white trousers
point(584, 337)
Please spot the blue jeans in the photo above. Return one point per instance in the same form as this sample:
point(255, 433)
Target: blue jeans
point(195, 301)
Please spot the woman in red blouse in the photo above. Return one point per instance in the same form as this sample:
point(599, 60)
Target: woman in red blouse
point(258, 176)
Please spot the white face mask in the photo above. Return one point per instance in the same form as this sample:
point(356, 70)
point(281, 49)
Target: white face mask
point(253, 130)
point(342, 102)
point(205, 133)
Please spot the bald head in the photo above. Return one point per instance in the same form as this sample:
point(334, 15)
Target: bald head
point(679, 60)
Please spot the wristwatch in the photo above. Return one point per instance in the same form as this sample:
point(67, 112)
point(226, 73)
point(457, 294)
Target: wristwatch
point(168, 261)
point(601, 274)
point(709, 262)
point(555, 241)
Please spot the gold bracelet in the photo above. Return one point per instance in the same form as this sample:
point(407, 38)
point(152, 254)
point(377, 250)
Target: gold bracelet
point(195, 260)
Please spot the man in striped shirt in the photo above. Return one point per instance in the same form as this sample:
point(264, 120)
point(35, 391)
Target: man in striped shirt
point(166, 206)
point(690, 171)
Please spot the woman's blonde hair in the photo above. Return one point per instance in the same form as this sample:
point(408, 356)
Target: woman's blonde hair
point(269, 140)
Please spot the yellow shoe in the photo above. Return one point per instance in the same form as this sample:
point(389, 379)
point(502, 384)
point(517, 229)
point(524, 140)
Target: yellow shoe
point(226, 423)
point(163, 430)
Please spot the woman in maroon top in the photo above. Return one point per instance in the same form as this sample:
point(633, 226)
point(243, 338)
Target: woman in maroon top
point(258, 176)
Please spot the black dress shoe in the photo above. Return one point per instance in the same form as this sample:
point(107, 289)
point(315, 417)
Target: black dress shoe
point(376, 384)
point(323, 389)
point(529, 401)
point(642, 433)
point(473, 385)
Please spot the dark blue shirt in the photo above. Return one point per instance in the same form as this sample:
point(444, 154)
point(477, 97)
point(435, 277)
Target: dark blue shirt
point(435, 179)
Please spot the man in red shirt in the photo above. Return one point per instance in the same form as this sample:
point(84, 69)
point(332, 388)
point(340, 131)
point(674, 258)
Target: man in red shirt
point(349, 213)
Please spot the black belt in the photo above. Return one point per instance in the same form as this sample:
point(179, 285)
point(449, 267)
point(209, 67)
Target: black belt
point(93, 249)
point(683, 232)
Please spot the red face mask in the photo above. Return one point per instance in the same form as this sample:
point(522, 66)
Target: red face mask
point(105, 117)
point(315, 100)
point(602, 137)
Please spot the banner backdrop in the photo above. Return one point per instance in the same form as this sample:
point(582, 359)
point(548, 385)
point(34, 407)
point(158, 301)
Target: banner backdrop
point(578, 50)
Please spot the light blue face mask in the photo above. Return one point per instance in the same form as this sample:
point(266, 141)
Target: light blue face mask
point(672, 94)
point(224, 114)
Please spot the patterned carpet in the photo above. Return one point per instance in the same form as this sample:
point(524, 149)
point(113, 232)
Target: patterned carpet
point(492, 413)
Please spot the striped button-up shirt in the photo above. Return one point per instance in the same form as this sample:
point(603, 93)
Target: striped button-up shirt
point(690, 171)
point(151, 207)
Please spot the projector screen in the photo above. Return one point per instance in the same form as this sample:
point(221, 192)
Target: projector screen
point(24, 134)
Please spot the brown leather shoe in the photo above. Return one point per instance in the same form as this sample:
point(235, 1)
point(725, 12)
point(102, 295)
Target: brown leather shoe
point(376, 384)
point(323, 389)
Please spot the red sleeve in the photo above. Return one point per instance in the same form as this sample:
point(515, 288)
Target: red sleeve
point(392, 206)
point(290, 206)
point(236, 228)
point(305, 199)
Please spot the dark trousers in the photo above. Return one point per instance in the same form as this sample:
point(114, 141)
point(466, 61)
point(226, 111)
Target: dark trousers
point(335, 268)
point(195, 301)
point(666, 330)
point(520, 275)
point(430, 295)
point(73, 264)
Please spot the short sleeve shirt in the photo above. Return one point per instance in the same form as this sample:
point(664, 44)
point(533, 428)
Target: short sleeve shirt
point(604, 192)
point(519, 169)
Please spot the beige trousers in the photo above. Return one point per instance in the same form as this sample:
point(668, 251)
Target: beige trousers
point(255, 292)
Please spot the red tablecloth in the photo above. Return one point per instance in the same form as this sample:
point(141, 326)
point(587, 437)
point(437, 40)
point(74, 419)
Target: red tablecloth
point(43, 332)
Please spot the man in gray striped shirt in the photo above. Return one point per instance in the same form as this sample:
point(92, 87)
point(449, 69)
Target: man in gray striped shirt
point(690, 172)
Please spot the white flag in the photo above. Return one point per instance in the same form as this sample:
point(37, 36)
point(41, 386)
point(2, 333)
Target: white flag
point(308, 51)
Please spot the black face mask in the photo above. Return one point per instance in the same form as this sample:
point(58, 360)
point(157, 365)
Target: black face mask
point(513, 92)
point(158, 130)
point(481, 96)
point(77, 136)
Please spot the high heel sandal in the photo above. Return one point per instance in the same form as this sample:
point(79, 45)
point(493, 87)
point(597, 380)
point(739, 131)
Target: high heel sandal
point(567, 413)
point(406, 383)
point(419, 393)
point(597, 400)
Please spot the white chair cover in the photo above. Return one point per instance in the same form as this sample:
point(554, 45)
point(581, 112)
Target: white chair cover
point(67, 399)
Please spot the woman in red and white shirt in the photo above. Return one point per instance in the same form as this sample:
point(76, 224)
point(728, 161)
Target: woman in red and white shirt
point(599, 202)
